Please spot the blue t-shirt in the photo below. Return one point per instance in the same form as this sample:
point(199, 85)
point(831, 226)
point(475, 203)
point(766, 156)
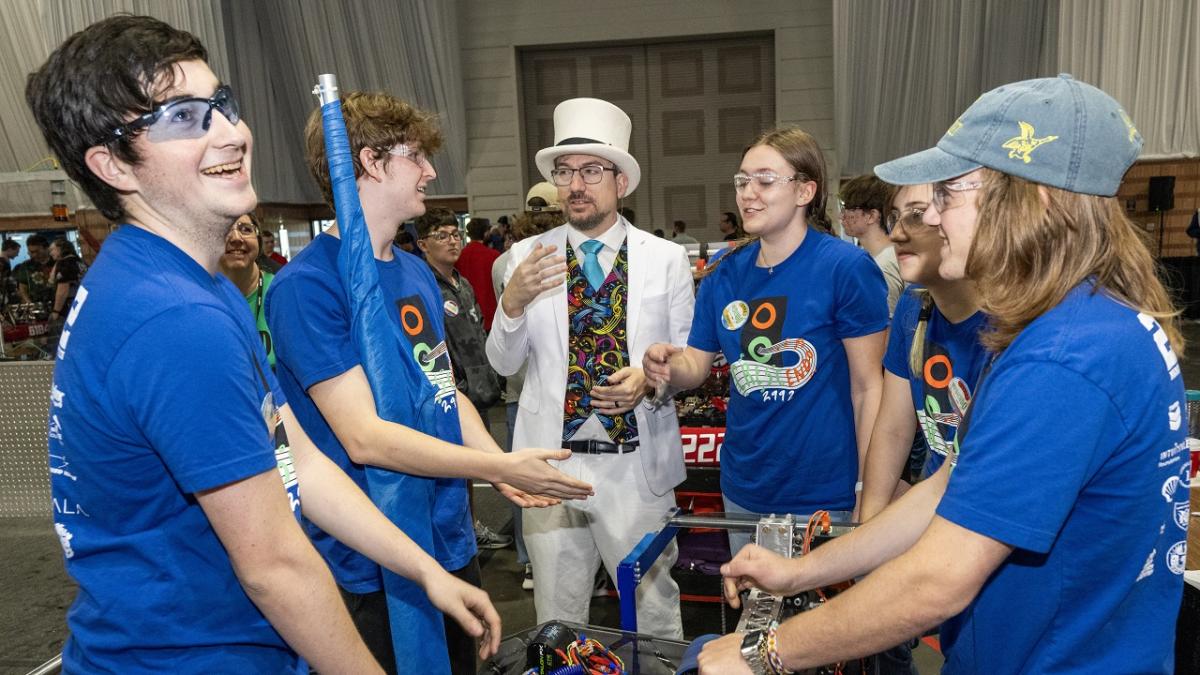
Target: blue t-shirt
point(1074, 453)
point(952, 363)
point(789, 437)
point(310, 324)
point(157, 396)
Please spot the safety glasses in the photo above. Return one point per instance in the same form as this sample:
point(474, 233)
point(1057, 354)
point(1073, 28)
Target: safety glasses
point(181, 118)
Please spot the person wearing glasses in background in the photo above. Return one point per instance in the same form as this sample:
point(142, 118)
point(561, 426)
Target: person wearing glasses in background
point(933, 364)
point(322, 372)
point(441, 241)
point(865, 203)
point(800, 317)
point(1077, 430)
point(177, 466)
point(584, 388)
point(240, 264)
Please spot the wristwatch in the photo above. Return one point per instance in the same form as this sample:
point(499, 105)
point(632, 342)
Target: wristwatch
point(753, 644)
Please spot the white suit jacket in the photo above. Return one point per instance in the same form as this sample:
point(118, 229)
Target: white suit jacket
point(659, 309)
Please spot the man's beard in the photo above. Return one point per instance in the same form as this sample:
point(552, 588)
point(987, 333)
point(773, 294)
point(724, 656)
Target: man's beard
point(584, 224)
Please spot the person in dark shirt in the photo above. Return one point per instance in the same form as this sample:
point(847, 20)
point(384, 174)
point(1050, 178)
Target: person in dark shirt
point(441, 242)
point(67, 273)
point(33, 276)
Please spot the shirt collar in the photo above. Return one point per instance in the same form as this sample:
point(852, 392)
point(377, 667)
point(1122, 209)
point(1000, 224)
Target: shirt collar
point(611, 239)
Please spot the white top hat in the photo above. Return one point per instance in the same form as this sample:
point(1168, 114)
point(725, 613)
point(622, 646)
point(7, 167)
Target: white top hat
point(589, 126)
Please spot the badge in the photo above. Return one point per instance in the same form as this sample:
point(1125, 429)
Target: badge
point(735, 314)
point(451, 308)
point(267, 409)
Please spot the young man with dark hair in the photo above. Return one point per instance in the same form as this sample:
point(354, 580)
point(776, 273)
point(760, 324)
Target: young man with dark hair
point(680, 235)
point(175, 487)
point(441, 242)
point(729, 226)
point(34, 277)
point(324, 377)
point(865, 200)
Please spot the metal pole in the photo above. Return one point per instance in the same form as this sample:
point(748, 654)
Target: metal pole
point(51, 667)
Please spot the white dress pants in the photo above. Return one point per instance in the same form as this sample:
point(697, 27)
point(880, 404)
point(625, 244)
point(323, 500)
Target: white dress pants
point(567, 543)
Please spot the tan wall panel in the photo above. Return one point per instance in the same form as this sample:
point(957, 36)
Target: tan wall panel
point(803, 53)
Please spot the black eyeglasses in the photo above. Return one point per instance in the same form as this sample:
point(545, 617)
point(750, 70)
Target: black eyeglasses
point(182, 118)
point(592, 174)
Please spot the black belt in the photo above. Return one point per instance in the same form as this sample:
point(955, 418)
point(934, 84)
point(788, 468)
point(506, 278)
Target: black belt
point(600, 447)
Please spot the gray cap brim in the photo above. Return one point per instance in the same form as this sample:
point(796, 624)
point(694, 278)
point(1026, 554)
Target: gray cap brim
point(927, 166)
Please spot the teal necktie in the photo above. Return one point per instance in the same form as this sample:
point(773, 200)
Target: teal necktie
point(591, 263)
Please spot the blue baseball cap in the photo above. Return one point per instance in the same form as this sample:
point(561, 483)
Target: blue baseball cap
point(1056, 131)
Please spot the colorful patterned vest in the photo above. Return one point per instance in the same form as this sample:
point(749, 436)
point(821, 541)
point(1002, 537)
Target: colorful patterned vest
point(596, 345)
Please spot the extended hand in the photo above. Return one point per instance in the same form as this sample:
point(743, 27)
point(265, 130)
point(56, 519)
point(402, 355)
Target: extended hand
point(723, 655)
point(524, 499)
point(528, 471)
point(656, 362)
point(756, 567)
point(538, 272)
point(470, 607)
point(624, 390)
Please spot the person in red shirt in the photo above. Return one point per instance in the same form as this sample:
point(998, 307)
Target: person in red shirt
point(475, 264)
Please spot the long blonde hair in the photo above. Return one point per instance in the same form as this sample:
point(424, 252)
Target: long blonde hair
point(1029, 251)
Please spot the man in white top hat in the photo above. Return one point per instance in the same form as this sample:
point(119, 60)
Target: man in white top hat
point(584, 389)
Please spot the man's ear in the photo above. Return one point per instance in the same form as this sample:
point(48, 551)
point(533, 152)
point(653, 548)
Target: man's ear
point(622, 184)
point(374, 168)
point(113, 170)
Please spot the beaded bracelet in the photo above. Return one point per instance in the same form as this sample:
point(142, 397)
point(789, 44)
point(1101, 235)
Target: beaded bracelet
point(773, 660)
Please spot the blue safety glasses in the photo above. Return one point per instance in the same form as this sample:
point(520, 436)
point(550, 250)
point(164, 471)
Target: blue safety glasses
point(181, 118)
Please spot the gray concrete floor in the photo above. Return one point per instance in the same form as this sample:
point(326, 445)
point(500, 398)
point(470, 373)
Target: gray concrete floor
point(35, 591)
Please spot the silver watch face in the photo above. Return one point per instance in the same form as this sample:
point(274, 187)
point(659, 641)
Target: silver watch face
point(751, 646)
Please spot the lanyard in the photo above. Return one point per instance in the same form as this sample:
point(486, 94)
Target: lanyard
point(258, 298)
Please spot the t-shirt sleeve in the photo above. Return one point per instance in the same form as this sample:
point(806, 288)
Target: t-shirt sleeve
point(900, 337)
point(1037, 432)
point(188, 384)
point(703, 334)
point(66, 271)
point(310, 330)
point(860, 297)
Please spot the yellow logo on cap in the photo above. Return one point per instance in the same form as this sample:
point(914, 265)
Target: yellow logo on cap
point(1129, 125)
point(954, 127)
point(1019, 147)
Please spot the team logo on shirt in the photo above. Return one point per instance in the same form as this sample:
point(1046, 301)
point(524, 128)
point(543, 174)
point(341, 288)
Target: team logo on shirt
point(283, 450)
point(1174, 416)
point(1176, 556)
point(947, 398)
point(770, 363)
point(429, 351)
point(735, 314)
point(1180, 509)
